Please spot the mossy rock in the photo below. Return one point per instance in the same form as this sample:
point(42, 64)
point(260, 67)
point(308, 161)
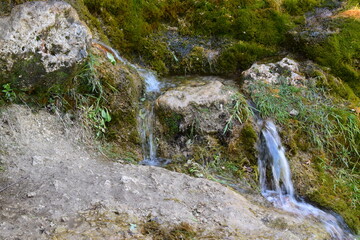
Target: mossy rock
point(242, 144)
point(29, 75)
point(122, 89)
point(170, 121)
point(339, 51)
point(37, 55)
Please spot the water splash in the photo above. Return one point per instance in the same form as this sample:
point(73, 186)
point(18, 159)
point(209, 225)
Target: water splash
point(279, 189)
point(151, 81)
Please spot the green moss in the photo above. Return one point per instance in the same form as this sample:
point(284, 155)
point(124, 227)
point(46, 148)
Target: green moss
point(339, 51)
point(157, 54)
point(170, 121)
point(249, 138)
point(334, 192)
point(30, 81)
point(196, 62)
point(181, 231)
point(119, 88)
point(296, 7)
point(241, 55)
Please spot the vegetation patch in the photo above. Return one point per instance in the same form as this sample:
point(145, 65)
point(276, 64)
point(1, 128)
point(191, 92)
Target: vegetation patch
point(339, 51)
point(102, 94)
point(170, 121)
point(182, 231)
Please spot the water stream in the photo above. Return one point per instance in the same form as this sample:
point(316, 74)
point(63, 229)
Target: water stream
point(147, 122)
point(278, 188)
point(146, 115)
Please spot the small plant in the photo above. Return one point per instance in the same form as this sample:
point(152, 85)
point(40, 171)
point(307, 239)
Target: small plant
point(240, 111)
point(10, 95)
point(111, 58)
point(98, 117)
point(88, 76)
point(89, 96)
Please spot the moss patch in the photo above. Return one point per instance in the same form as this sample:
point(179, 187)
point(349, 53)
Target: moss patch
point(170, 121)
point(339, 51)
point(157, 232)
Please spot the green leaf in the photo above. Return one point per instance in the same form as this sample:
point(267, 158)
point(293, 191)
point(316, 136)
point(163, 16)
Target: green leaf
point(105, 115)
point(111, 58)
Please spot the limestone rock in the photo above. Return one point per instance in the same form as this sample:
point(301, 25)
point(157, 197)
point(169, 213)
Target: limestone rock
point(285, 71)
point(39, 38)
point(204, 104)
point(294, 112)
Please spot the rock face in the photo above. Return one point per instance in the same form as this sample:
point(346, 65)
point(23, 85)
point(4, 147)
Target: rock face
point(317, 26)
point(40, 43)
point(53, 188)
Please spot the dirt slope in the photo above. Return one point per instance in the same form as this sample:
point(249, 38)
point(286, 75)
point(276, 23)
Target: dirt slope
point(55, 188)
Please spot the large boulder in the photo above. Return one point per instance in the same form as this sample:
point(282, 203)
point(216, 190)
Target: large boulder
point(201, 113)
point(204, 104)
point(41, 44)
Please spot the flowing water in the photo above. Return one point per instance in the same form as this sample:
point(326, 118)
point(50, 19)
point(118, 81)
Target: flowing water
point(279, 189)
point(146, 115)
point(147, 122)
point(147, 119)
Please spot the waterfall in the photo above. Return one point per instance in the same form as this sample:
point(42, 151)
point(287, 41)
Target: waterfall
point(147, 120)
point(279, 189)
point(272, 154)
point(146, 115)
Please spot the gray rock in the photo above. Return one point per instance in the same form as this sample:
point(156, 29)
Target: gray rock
point(40, 38)
point(294, 112)
point(37, 160)
point(274, 73)
point(31, 194)
point(204, 104)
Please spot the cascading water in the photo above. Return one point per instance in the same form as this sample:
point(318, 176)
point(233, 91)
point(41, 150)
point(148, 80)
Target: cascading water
point(272, 153)
point(279, 189)
point(146, 116)
point(147, 119)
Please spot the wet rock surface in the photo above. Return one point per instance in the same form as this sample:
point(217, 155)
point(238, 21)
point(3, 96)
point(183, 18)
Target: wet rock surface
point(54, 187)
point(318, 25)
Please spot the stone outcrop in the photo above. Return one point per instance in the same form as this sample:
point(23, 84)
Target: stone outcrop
point(40, 44)
point(286, 70)
point(204, 104)
point(205, 112)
